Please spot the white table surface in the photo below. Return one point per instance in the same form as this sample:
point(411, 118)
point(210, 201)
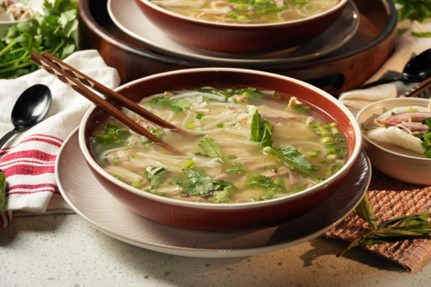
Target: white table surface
point(66, 250)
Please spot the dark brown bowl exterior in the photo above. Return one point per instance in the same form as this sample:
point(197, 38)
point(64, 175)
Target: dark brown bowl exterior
point(237, 38)
point(376, 35)
point(217, 217)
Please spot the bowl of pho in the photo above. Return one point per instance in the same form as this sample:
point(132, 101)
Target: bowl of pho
point(256, 148)
point(242, 26)
point(397, 138)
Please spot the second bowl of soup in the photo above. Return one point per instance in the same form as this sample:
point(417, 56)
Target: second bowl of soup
point(257, 148)
point(238, 26)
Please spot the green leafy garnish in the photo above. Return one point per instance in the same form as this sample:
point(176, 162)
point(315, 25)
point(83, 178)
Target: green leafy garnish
point(292, 158)
point(53, 31)
point(155, 176)
point(235, 168)
point(269, 185)
point(112, 135)
point(418, 10)
point(210, 148)
point(421, 34)
point(261, 129)
point(299, 107)
point(334, 142)
point(198, 183)
point(400, 228)
point(426, 138)
point(177, 106)
point(249, 93)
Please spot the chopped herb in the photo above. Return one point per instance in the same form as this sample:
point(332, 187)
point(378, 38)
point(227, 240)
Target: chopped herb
point(300, 107)
point(212, 149)
point(191, 126)
point(235, 168)
point(230, 92)
point(112, 134)
point(292, 158)
point(334, 142)
point(421, 34)
point(155, 176)
point(198, 183)
point(189, 163)
point(177, 106)
point(199, 116)
point(269, 185)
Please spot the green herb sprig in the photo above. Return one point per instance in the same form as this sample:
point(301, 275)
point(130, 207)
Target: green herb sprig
point(418, 10)
point(51, 31)
point(400, 228)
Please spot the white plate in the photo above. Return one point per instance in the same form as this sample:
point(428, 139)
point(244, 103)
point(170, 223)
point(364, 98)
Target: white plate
point(89, 199)
point(126, 15)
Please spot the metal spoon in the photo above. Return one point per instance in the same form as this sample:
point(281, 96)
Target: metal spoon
point(30, 109)
point(417, 69)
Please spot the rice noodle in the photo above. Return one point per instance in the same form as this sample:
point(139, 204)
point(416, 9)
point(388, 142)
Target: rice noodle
point(223, 147)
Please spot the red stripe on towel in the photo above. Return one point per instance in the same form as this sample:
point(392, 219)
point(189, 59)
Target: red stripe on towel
point(38, 160)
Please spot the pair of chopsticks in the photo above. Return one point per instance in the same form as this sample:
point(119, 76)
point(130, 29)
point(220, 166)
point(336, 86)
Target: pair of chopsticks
point(83, 85)
point(421, 90)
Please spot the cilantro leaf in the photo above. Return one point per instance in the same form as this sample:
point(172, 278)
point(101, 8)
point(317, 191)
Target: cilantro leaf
point(199, 183)
point(52, 31)
point(413, 9)
point(155, 175)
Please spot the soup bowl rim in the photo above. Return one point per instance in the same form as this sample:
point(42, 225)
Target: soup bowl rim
point(181, 17)
point(341, 173)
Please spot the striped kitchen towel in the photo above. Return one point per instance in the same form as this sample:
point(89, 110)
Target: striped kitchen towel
point(28, 159)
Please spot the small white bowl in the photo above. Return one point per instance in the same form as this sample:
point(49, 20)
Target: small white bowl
point(5, 25)
point(395, 162)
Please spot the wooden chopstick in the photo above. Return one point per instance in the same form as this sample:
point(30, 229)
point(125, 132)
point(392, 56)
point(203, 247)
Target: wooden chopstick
point(421, 90)
point(69, 76)
point(117, 97)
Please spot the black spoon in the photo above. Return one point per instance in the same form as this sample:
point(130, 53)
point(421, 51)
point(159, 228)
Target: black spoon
point(30, 109)
point(417, 69)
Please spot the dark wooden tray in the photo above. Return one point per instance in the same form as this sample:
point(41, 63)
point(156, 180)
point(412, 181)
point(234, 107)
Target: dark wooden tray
point(343, 69)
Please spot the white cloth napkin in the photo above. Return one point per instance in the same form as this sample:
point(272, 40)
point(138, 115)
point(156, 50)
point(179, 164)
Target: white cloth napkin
point(28, 159)
point(406, 46)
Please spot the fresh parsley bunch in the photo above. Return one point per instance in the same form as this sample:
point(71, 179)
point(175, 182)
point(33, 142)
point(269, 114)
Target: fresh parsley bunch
point(418, 10)
point(52, 31)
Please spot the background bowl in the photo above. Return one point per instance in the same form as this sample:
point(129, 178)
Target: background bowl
point(395, 163)
point(229, 37)
point(35, 5)
point(212, 216)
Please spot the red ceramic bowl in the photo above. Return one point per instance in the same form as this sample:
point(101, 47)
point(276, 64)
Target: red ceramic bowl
point(214, 216)
point(238, 38)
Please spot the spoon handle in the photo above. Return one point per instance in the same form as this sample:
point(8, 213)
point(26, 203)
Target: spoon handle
point(7, 136)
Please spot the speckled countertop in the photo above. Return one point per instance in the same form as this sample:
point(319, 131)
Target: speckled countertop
point(66, 250)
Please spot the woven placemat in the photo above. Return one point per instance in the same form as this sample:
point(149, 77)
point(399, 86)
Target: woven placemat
point(389, 199)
